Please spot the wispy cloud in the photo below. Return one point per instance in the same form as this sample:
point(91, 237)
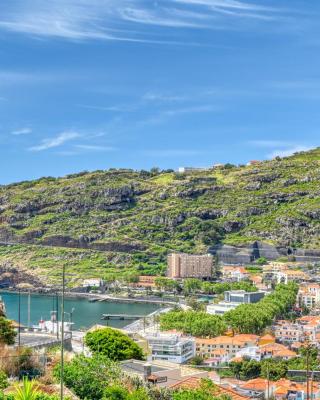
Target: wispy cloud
point(118, 108)
point(94, 148)
point(270, 143)
point(203, 108)
point(163, 97)
point(168, 18)
point(228, 4)
point(125, 20)
point(56, 141)
point(22, 131)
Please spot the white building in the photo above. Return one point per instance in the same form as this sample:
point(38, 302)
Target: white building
point(309, 295)
point(252, 352)
point(221, 307)
point(183, 170)
point(52, 326)
point(232, 299)
point(93, 282)
point(172, 348)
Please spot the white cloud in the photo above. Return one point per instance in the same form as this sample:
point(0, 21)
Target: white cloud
point(22, 131)
point(288, 152)
point(233, 4)
point(120, 108)
point(56, 141)
point(98, 148)
point(164, 19)
point(162, 97)
point(191, 110)
point(124, 20)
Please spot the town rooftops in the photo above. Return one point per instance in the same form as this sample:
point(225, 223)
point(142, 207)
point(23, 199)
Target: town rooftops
point(195, 382)
point(278, 350)
point(257, 384)
point(235, 340)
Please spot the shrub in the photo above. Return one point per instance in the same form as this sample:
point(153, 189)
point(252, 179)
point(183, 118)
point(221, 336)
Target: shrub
point(113, 344)
point(88, 377)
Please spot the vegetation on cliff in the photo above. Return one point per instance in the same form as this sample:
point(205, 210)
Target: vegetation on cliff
point(124, 219)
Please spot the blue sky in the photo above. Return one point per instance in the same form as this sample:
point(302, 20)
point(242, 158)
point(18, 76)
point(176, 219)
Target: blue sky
point(94, 84)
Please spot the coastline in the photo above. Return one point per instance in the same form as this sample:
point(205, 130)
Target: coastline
point(93, 297)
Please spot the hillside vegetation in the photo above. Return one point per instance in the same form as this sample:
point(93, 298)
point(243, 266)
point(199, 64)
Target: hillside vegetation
point(105, 221)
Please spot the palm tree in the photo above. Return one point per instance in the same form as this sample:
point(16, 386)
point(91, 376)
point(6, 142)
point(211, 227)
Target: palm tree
point(28, 391)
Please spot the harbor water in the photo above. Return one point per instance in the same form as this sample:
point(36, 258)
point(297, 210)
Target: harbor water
point(85, 314)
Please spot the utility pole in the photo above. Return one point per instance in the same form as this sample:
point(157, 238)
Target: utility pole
point(307, 371)
point(62, 331)
point(307, 350)
point(19, 318)
point(57, 314)
point(268, 380)
point(29, 310)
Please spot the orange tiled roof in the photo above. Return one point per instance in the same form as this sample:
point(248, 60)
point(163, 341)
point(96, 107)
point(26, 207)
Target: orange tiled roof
point(256, 278)
point(195, 382)
point(235, 340)
point(236, 359)
point(277, 350)
point(309, 318)
point(268, 336)
point(258, 384)
point(246, 337)
point(283, 385)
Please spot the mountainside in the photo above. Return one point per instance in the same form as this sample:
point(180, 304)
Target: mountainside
point(105, 221)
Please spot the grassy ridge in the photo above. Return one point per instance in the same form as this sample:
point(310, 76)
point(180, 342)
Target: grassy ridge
point(136, 217)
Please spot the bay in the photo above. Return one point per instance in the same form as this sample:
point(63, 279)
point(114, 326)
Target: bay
point(85, 314)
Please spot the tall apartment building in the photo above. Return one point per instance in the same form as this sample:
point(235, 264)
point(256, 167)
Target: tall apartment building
point(189, 266)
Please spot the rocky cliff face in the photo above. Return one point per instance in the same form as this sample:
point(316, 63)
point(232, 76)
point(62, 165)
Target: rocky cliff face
point(268, 210)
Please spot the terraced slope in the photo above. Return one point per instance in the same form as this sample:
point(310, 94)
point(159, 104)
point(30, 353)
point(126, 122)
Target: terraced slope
point(122, 220)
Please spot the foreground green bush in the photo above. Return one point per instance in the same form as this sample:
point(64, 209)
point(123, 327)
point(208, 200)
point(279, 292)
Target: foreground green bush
point(88, 377)
point(113, 344)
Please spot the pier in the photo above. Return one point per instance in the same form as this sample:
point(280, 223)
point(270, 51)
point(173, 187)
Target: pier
point(121, 317)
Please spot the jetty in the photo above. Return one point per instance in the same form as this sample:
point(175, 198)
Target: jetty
point(121, 317)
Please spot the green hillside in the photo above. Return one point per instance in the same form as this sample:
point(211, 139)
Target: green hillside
point(103, 222)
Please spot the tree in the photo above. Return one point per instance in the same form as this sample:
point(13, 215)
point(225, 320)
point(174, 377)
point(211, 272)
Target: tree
point(250, 369)
point(194, 323)
point(246, 369)
point(113, 344)
point(207, 287)
point(191, 285)
point(89, 377)
point(7, 332)
point(254, 318)
point(166, 284)
point(274, 369)
point(195, 304)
